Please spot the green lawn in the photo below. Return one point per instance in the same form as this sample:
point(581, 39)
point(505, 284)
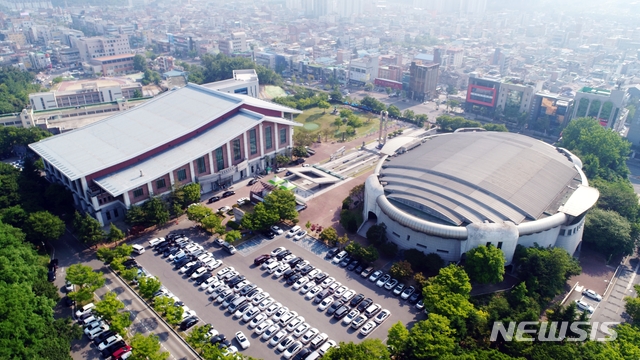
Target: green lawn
point(314, 120)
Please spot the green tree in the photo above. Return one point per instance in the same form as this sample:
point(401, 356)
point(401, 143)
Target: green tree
point(618, 196)
point(343, 239)
point(105, 254)
point(150, 76)
point(408, 114)
point(335, 95)
point(609, 233)
point(485, 264)
point(212, 224)
point(129, 274)
point(366, 350)
point(397, 337)
point(495, 127)
point(198, 212)
point(86, 281)
point(368, 87)
point(377, 234)
point(135, 216)
point(329, 235)
point(148, 286)
point(299, 151)
point(191, 193)
point(156, 211)
point(602, 151)
point(394, 111)
point(197, 337)
point(323, 105)
point(632, 306)
point(43, 225)
point(109, 307)
point(401, 270)
point(421, 119)
point(88, 229)
point(15, 87)
point(283, 203)
point(261, 218)
point(233, 236)
point(147, 348)
point(447, 293)
point(115, 234)
point(14, 216)
point(137, 94)
point(139, 63)
point(431, 338)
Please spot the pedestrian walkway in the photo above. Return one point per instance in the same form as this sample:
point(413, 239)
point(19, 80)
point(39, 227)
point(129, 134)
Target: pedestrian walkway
point(250, 246)
point(312, 244)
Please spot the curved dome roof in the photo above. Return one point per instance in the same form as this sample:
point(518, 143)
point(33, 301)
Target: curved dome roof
point(474, 177)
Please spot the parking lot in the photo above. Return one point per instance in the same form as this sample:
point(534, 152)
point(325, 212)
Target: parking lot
point(242, 261)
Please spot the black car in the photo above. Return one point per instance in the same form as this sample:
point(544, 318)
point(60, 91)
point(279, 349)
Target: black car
point(320, 277)
point(353, 265)
point(102, 337)
point(359, 269)
point(51, 275)
point(345, 262)
point(170, 251)
point(193, 269)
point(247, 289)
point(341, 312)
point(288, 173)
point(252, 181)
point(307, 269)
point(332, 252)
point(218, 338)
point(164, 246)
point(252, 293)
point(269, 234)
point(287, 274)
point(202, 278)
point(188, 323)
point(213, 199)
point(224, 344)
point(356, 300)
point(228, 193)
point(293, 262)
point(283, 254)
point(414, 298)
point(236, 281)
point(335, 306)
point(182, 263)
point(53, 264)
point(365, 304)
point(302, 354)
point(69, 301)
point(293, 278)
point(107, 352)
point(261, 259)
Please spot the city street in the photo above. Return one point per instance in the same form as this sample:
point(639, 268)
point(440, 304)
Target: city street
point(69, 251)
point(242, 261)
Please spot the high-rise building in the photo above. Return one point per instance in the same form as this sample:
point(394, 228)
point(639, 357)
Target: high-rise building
point(607, 106)
point(423, 81)
point(95, 47)
point(236, 43)
point(349, 8)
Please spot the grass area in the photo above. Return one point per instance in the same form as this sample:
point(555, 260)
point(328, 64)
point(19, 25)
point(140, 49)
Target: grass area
point(274, 91)
point(313, 117)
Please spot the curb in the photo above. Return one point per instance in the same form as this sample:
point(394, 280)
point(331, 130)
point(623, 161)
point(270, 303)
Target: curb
point(605, 296)
point(197, 356)
point(569, 293)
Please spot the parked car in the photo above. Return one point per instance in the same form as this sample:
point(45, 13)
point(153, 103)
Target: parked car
point(383, 280)
point(276, 229)
point(300, 235)
point(592, 294)
point(367, 272)
point(252, 181)
point(391, 284)
point(213, 199)
point(584, 306)
point(228, 193)
point(407, 292)
point(242, 340)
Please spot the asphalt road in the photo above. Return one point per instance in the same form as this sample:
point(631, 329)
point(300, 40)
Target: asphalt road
point(242, 261)
point(69, 251)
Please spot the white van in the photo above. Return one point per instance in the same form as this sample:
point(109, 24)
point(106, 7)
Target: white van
point(138, 249)
point(271, 268)
point(294, 230)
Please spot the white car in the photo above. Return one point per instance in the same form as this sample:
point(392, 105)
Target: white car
point(187, 266)
point(318, 340)
point(341, 255)
point(203, 257)
point(280, 313)
point(242, 310)
point(211, 333)
point(223, 271)
point(340, 291)
point(85, 309)
point(257, 320)
point(287, 317)
point(313, 273)
point(250, 314)
point(383, 280)
point(284, 344)
point(224, 209)
point(201, 270)
point(214, 264)
point(277, 251)
point(267, 263)
point(258, 299)
point(272, 309)
point(326, 302)
point(92, 326)
point(263, 326)
point(215, 287)
point(156, 241)
point(109, 341)
point(277, 337)
point(302, 264)
point(281, 270)
point(187, 313)
point(592, 294)
point(287, 258)
point(300, 235)
point(358, 321)
point(328, 281)
point(301, 330)
point(347, 296)
point(264, 304)
point(280, 170)
point(326, 346)
point(303, 280)
point(276, 229)
point(313, 292)
point(308, 286)
point(309, 335)
point(271, 330)
point(334, 286)
point(242, 340)
point(375, 276)
point(295, 323)
point(242, 201)
point(367, 328)
point(210, 282)
point(240, 285)
point(139, 249)
point(350, 316)
point(229, 351)
point(382, 316)
point(584, 306)
point(292, 350)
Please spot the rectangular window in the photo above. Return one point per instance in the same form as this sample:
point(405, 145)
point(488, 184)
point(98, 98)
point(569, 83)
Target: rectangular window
point(267, 138)
point(253, 143)
point(408, 237)
point(499, 244)
point(442, 251)
point(160, 184)
point(561, 232)
point(138, 192)
point(115, 212)
point(420, 245)
point(108, 215)
point(237, 154)
point(219, 159)
point(396, 234)
point(283, 136)
point(182, 174)
point(202, 167)
point(488, 243)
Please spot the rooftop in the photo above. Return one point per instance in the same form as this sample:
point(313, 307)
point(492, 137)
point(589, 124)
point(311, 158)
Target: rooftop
point(464, 178)
point(596, 91)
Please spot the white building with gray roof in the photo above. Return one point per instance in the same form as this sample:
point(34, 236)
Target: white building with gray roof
point(190, 134)
point(457, 191)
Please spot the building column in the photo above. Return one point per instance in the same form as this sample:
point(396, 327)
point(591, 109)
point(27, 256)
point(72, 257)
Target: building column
point(125, 196)
point(150, 187)
point(228, 145)
point(600, 110)
point(171, 180)
point(586, 114)
point(290, 136)
point(262, 145)
point(193, 173)
point(246, 148)
point(277, 137)
point(211, 167)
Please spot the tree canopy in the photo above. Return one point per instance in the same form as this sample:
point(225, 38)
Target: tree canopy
point(15, 87)
point(220, 67)
point(485, 264)
point(609, 233)
point(367, 350)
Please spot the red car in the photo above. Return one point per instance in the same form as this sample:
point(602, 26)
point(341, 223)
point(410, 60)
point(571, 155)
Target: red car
point(120, 352)
point(261, 259)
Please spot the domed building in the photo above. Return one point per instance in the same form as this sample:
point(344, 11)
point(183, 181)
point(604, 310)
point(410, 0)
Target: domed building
point(452, 192)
